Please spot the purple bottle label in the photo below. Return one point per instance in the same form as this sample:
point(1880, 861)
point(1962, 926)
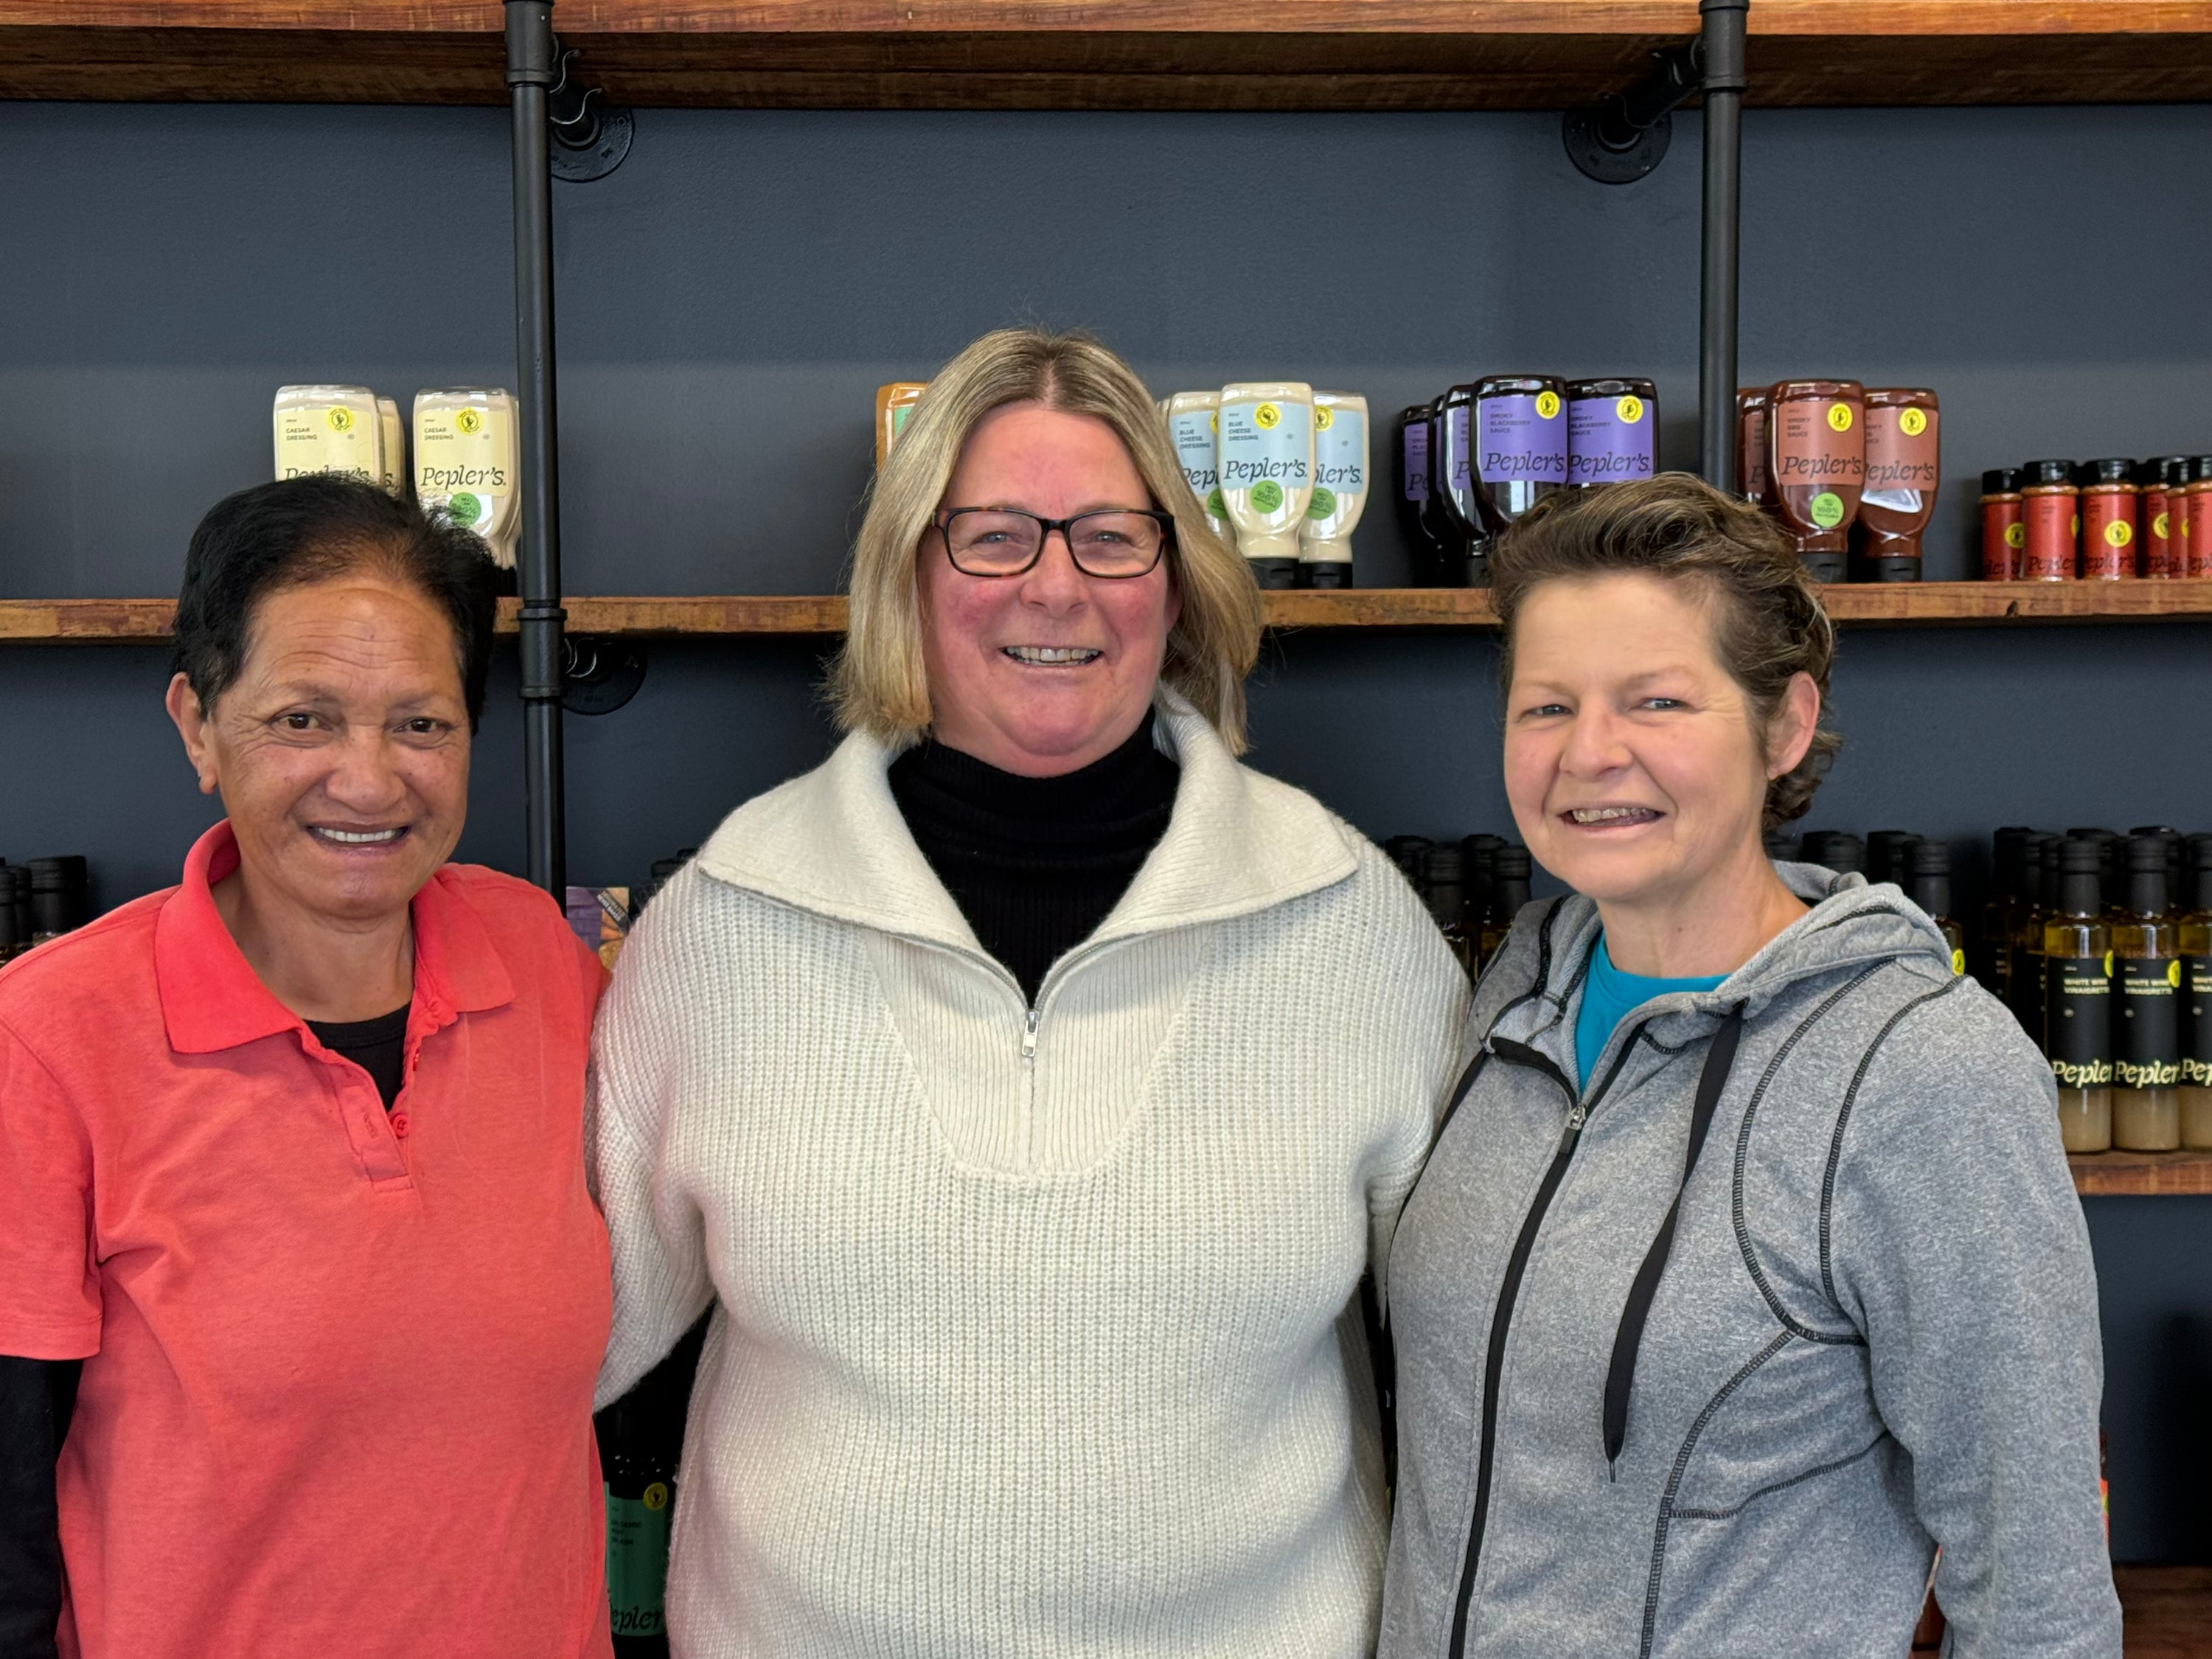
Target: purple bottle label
point(1609, 440)
point(1523, 438)
point(1416, 436)
point(1456, 449)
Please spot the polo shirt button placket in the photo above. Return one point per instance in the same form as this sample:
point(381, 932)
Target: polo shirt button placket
point(399, 1124)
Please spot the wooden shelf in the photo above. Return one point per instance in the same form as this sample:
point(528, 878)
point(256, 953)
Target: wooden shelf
point(1106, 54)
point(1932, 604)
point(2167, 1610)
point(2142, 1175)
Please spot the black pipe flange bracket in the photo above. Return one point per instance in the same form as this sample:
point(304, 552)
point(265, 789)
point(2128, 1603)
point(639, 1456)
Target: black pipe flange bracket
point(1621, 140)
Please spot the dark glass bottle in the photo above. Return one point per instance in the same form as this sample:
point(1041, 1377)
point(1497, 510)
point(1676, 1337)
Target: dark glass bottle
point(1781, 846)
point(1404, 852)
point(1509, 891)
point(1884, 859)
point(1445, 868)
point(1843, 852)
point(2077, 961)
point(1413, 502)
point(2024, 972)
point(1928, 885)
point(1453, 489)
point(2194, 939)
point(2108, 876)
point(10, 945)
point(2147, 1005)
point(1481, 883)
point(641, 1440)
point(1991, 957)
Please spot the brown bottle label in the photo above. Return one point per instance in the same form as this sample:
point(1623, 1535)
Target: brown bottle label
point(2108, 534)
point(1901, 466)
point(1817, 446)
point(2003, 534)
point(1751, 451)
point(2198, 506)
point(2051, 520)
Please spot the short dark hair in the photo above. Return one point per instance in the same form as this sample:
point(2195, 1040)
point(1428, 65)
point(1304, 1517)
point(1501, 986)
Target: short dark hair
point(1769, 625)
point(310, 529)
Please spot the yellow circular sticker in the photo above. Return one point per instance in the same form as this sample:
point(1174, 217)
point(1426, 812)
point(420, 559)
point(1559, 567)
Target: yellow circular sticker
point(1267, 417)
point(2108, 964)
point(1214, 421)
point(341, 420)
point(656, 1497)
point(1958, 962)
point(1324, 417)
point(2076, 531)
point(1547, 404)
point(2120, 533)
point(2173, 973)
point(2015, 535)
point(2158, 527)
point(469, 422)
point(1912, 423)
point(1839, 417)
point(1629, 410)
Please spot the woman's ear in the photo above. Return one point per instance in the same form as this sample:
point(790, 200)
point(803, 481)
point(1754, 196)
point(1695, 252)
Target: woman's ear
point(1790, 734)
point(192, 720)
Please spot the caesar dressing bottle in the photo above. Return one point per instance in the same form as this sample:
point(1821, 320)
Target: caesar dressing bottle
point(2146, 1012)
point(2077, 969)
point(1267, 473)
point(391, 447)
point(1339, 489)
point(327, 428)
point(1194, 429)
point(466, 464)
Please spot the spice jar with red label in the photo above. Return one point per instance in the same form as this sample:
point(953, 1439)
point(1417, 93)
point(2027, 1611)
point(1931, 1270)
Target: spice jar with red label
point(2196, 509)
point(1751, 402)
point(2108, 519)
point(1816, 466)
point(1903, 468)
point(2155, 517)
point(2002, 530)
point(2050, 512)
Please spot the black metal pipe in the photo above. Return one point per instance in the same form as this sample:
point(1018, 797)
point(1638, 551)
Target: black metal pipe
point(1721, 32)
point(533, 66)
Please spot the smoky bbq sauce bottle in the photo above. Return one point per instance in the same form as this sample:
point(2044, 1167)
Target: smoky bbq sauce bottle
point(1904, 467)
point(2077, 965)
point(1816, 467)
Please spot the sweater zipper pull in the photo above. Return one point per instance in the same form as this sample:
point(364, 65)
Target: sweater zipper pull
point(1029, 1039)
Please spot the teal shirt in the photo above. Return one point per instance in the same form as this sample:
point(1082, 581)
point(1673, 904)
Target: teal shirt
point(1609, 995)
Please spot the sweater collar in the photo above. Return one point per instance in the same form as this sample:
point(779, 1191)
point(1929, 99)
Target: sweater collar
point(1118, 804)
point(833, 842)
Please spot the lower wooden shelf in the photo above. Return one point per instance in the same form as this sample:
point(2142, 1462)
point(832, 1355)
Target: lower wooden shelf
point(2112, 1174)
point(2168, 1611)
point(1904, 605)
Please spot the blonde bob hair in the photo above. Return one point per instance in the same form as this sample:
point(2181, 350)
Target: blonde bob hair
point(878, 683)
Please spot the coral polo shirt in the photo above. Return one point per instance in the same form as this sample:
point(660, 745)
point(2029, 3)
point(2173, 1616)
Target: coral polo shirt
point(338, 1365)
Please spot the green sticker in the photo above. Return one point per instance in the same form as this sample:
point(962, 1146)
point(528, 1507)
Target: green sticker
point(1827, 509)
point(1267, 495)
point(464, 509)
point(1324, 504)
point(1215, 506)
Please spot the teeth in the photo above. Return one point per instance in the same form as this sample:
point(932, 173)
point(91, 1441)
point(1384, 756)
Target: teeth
point(359, 837)
point(1051, 653)
point(1609, 814)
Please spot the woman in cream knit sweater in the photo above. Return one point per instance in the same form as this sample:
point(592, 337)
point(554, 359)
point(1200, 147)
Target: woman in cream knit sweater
point(1030, 1087)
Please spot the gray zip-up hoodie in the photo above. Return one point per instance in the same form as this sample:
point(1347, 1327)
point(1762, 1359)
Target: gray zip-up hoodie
point(1871, 1330)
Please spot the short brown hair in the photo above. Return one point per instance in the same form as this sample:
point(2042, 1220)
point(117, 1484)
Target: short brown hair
point(878, 685)
point(1769, 624)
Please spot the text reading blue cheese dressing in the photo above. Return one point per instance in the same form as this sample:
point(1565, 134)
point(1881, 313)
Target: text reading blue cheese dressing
point(1340, 491)
point(1194, 421)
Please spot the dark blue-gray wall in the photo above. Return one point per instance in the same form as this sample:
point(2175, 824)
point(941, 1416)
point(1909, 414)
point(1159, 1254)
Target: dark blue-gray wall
point(730, 298)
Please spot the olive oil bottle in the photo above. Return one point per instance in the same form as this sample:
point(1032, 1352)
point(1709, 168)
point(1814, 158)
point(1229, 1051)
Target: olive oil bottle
point(1509, 891)
point(1993, 945)
point(2195, 941)
point(2077, 969)
point(1444, 867)
point(2023, 969)
point(1928, 885)
point(2145, 1005)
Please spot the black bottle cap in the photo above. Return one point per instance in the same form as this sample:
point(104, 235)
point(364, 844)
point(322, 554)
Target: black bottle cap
point(2079, 855)
point(1508, 386)
point(2143, 852)
point(57, 875)
point(2000, 481)
point(2144, 857)
point(1928, 877)
point(1512, 862)
point(2047, 472)
point(2111, 470)
point(1512, 881)
point(1404, 851)
point(1930, 858)
point(2198, 853)
point(1781, 846)
point(2200, 466)
point(1883, 848)
point(8, 936)
point(1414, 412)
point(2159, 468)
point(1612, 388)
point(1444, 862)
point(1843, 852)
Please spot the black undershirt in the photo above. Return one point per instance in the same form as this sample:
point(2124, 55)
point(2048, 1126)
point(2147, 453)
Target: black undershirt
point(38, 1395)
point(1036, 864)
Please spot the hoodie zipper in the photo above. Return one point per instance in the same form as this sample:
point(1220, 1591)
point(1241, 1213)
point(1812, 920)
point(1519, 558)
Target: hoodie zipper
point(1509, 1291)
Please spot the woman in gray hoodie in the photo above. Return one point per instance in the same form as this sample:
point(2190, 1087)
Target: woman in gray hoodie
point(1746, 1271)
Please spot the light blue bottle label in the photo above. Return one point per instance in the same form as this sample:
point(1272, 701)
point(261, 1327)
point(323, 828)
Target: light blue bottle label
point(1267, 441)
point(1340, 451)
point(1521, 438)
point(1192, 432)
point(1609, 440)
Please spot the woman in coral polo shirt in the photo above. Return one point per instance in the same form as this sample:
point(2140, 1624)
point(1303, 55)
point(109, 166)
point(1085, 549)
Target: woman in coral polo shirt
point(291, 1161)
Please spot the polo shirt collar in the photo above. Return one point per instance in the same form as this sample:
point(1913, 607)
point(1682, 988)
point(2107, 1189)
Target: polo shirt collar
point(212, 1000)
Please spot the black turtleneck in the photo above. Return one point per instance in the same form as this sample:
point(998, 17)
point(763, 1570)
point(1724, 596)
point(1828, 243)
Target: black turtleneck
point(1036, 864)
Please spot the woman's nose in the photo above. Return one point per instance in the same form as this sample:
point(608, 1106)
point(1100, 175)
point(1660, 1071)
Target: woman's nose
point(1594, 744)
point(1053, 580)
point(364, 777)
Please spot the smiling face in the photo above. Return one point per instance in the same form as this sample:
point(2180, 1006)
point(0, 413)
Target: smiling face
point(1043, 673)
point(1634, 762)
point(341, 752)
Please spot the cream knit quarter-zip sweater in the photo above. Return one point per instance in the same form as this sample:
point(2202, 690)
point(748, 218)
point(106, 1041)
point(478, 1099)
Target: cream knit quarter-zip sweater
point(1037, 1329)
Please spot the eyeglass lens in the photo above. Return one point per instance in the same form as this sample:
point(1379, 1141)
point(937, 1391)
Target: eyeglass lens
point(990, 542)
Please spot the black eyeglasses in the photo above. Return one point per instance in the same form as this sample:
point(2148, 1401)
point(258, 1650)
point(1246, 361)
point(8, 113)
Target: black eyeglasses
point(996, 541)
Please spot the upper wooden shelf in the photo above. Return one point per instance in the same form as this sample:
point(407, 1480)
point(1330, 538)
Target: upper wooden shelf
point(1106, 54)
point(1905, 605)
point(2112, 1174)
